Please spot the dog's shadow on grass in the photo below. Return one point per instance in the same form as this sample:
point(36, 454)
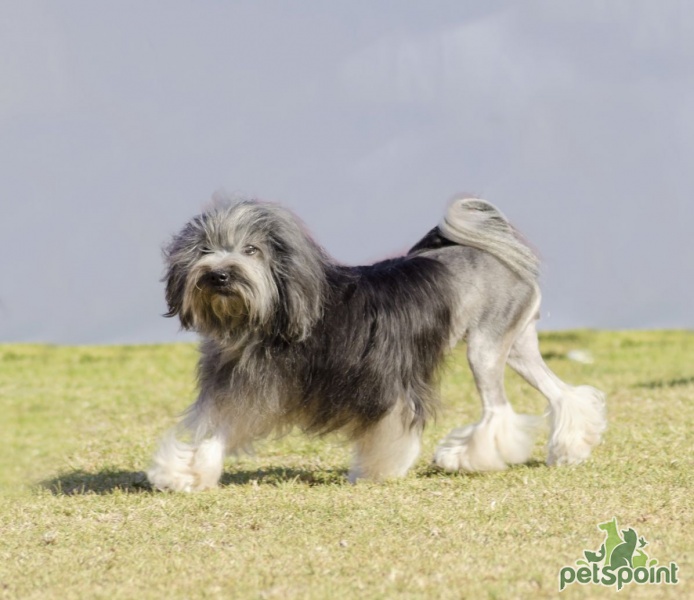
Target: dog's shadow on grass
point(432, 471)
point(283, 476)
point(108, 481)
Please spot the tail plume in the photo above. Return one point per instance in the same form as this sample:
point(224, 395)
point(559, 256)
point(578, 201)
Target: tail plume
point(477, 223)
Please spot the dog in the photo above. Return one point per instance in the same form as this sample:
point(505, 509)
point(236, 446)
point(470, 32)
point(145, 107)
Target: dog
point(291, 338)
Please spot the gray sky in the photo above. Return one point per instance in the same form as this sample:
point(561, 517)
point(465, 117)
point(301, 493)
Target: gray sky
point(118, 120)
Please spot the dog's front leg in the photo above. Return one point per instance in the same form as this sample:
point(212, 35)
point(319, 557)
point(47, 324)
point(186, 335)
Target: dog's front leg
point(187, 466)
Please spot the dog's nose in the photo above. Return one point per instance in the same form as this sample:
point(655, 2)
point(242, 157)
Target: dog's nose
point(218, 278)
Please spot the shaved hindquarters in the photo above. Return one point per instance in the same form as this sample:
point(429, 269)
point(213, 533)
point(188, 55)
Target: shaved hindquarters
point(501, 437)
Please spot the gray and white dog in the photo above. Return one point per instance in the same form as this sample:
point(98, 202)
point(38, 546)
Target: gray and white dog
point(293, 339)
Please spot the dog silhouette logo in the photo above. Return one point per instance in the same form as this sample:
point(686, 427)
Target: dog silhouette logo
point(620, 560)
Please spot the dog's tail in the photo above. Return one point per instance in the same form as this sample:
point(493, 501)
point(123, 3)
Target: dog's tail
point(477, 223)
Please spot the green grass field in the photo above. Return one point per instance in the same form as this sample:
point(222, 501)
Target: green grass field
point(77, 520)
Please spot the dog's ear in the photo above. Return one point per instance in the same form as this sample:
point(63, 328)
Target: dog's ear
point(299, 273)
point(178, 255)
point(175, 289)
point(300, 303)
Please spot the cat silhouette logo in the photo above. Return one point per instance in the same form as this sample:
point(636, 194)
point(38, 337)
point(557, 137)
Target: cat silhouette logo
point(621, 560)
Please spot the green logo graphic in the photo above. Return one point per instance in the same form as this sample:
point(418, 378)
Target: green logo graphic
point(620, 560)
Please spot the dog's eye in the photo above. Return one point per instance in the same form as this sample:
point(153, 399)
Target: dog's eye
point(205, 250)
point(249, 250)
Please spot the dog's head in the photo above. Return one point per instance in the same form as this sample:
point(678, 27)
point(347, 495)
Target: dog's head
point(245, 267)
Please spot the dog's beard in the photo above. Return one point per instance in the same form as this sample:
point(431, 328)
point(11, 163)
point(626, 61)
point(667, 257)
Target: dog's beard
point(228, 306)
point(215, 313)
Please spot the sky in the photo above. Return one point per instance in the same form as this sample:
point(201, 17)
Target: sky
point(120, 120)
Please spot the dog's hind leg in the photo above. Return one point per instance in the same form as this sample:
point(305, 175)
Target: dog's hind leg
point(501, 437)
point(577, 414)
point(389, 448)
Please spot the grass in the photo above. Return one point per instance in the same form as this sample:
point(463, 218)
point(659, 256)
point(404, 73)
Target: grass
point(77, 519)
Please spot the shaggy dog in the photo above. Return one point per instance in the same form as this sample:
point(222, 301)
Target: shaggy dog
point(291, 339)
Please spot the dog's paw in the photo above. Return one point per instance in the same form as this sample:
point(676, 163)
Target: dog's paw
point(468, 449)
point(578, 424)
point(450, 454)
point(502, 438)
point(168, 481)
point(181, 467)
